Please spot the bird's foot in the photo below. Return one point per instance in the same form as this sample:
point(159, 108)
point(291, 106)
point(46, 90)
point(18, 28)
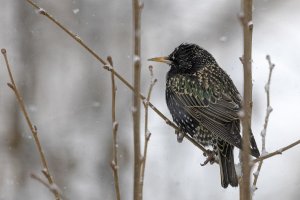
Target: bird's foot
point(210, 157)
point(180, 135)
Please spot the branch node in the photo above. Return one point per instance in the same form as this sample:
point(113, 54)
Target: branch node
point(108, 67)
point(40, 11)
point(253, 189)
point(141, 4)
point(242, 59)
point(263, 133)
point(241, 17)
point(77, 37)
point(250, 25)
point(269, 109)
point(280, 151)
point(3, 51)
point(115, 126)
point(256, 173)
point(11, 86)
point(35, 128)
point(110, 61)
point(45, 172)
point(114, 166)
point(267, 87)
point(148, 135)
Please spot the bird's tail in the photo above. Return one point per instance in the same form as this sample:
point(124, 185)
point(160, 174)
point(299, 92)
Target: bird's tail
point(227, 168)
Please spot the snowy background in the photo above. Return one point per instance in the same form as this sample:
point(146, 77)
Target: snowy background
point(68, 96)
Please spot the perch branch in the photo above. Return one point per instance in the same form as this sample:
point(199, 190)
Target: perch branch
point(115, 125)
point(12, 85)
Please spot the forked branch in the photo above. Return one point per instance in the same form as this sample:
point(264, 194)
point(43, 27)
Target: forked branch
point(12, 85)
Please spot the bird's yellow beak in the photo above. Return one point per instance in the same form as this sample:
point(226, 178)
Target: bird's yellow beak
point(164, 59)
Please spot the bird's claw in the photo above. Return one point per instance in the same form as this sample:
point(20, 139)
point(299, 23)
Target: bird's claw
point(180, 135)
point(210, 158)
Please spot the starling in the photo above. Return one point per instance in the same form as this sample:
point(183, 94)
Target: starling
point(205, 103)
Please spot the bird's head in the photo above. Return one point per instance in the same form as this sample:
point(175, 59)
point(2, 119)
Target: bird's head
point(186, 57)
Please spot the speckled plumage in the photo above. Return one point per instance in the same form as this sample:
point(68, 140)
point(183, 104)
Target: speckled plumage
point(205, 103)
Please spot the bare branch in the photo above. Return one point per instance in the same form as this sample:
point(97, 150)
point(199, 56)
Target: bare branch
point(277, 152)
point(12, 85)
point(115, 125)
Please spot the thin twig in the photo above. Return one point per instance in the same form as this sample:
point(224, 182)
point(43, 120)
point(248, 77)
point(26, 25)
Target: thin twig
point(269, 108)
point(277, 152)
point(52, 187)
point(268, 112)
point(32, 127)
point(115, 125)
point(120, 77)
point(147, 132)
point(246, 19)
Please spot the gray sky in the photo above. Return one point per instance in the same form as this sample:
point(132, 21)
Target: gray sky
point(68, 95)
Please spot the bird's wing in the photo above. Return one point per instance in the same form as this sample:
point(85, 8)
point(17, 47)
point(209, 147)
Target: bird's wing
point(211, 106)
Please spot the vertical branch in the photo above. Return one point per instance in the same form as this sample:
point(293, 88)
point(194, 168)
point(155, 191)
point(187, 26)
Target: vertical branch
point(246, 19)
point(136, 112)
point(32, 127)
point(268, 112)
point(115, 125)
point(147, 133)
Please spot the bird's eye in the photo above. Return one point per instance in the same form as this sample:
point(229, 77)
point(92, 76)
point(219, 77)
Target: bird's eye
point(172, 57)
